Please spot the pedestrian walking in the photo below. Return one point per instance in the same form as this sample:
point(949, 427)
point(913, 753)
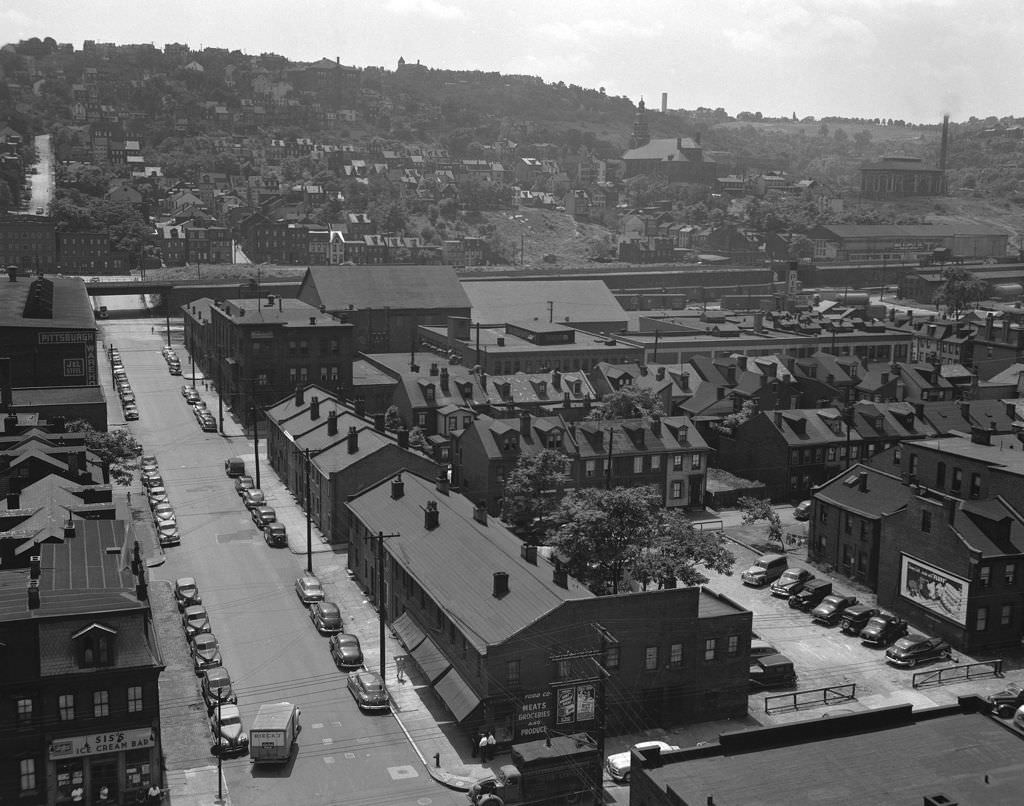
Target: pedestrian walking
point(129, 498)
point(483, 747)
point(490, 745)
point(400, 668)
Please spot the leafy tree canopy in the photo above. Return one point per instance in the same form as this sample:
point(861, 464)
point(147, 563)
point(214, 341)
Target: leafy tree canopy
point(532, 490)
point(627, 403)
point(958, 290)
point(117, 449)
point(761, 509)
point(606, 536)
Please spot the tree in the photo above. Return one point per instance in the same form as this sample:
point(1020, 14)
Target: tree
point(627, 403)
point(117, 450)
point(531, 489)
point(959, 288)
point(731, 422)
point(605, 535)
point(761, 509)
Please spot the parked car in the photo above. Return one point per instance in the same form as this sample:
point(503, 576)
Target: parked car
point(855, 619)
point(205, 651)
point(369, 690)
point(309, 589)
point(915, 649)
point(208, 424)
point(127, 398)
point(234, 466)
point(791, 581)
point(766, 569)
point(772, 671)
point(883, 629)
point(759, 648)
point(802, 511)
point(831, 608)
point(168, 535)
point(216, 687)
point(275, 534)
point(243, 483)
point(346, 651)
point(174, 369)
point(326, 617)
point(156, 495)
point(131, 412)
point(163, 511)
point(261, 516)
point(1005, 702)
point(152, 478)
point(195, 620)
point(253, 498)
point(186, 592)
point(229, 735)
point(148, 463)
point(618, 764)
point(810, 595)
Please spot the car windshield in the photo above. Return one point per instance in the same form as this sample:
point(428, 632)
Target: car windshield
point(206, 642)
point(231, 719)
point(878, 622)
point(372, 686)
point(791, 575)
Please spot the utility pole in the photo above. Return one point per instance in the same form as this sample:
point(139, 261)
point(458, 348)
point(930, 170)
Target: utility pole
point(608, 469)
point(309, 523)
point(381, 615)
point(167, 314)
point(551, 311)
point(220, 755)
point(255, 430)
point(220, 392)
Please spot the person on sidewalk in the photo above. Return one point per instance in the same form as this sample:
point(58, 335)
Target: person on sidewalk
point(400, 668)
point(483, 748)
point(490, 745)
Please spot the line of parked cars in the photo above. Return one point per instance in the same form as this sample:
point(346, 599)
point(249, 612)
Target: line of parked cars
point(366, 686)
point(163, 513)
point(171, 357)
point(206, 420)
point(814, 596)
point(124, 388)
point(215, 683)
point(263, 515)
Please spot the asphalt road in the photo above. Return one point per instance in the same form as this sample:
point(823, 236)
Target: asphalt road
point(42, 181)
point(270, 648)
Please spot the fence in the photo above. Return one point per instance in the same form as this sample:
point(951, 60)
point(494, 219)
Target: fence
point(709, 526)
point(965, 671)
point(830, 695)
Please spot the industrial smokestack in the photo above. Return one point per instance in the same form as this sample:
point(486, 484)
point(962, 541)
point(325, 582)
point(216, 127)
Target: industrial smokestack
point(664, 102)
point(944, 149)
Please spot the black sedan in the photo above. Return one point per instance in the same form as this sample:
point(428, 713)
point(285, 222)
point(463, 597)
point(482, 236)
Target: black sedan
point(326, 617)
point(346, 651)
point(831, 608)
point(883, 629)
point(915, 649)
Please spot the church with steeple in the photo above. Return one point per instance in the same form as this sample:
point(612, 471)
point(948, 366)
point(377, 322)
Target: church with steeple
point(679, 159)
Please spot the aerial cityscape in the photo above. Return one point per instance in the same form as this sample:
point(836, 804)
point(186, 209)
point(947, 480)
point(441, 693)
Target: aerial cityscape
point(455, 431)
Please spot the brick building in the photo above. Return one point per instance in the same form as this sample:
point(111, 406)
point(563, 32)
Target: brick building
point(28, 242)
point(493, 624)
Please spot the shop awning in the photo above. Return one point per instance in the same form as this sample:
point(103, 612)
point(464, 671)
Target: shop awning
point(429, 658)
point(457, 695)
point(408, 631)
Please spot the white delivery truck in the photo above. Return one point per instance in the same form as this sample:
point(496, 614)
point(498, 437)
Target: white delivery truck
point(273, 732)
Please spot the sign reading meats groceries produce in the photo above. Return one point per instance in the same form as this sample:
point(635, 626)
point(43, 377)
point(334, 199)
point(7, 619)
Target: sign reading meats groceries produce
point(95, 744)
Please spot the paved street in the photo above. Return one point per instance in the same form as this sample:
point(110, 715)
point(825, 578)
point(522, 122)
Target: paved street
point(269, 645)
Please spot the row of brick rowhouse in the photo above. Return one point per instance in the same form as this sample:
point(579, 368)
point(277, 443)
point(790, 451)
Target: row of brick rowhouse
point(935, 528)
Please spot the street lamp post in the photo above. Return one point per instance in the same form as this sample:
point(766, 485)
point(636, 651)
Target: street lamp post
point(220, 754)
point(381, 615)
point(256, 443)
point(309, 523)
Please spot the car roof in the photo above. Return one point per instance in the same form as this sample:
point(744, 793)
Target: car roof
point(327, 607)
point(182, 582)
point(217, 673)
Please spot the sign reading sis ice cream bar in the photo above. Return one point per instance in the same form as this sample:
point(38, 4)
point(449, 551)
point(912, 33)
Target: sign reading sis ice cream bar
point(95, 744)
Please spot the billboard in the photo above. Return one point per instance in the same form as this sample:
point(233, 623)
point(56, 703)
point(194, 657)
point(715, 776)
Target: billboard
point(934, 589)
point(576, 704)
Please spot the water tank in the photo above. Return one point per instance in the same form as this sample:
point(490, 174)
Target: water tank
point(1007, 291)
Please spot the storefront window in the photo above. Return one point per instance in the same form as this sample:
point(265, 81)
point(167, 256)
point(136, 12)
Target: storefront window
point(137, 769)
point(70, 776)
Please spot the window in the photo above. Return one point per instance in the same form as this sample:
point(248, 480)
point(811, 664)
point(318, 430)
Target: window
point(100, 703)
point(823, 513)
point(589, 468)
point(66, 707)
point(323, 374)
point(709, 648)
point(27, 771)
point(134, 699)
point(940, 475)
point(981, 619)
point(926, 520)
point(638, 464)
point(958, 479)
point(732, 646)
point(985, 576)
point(897, 454)
point(1006, 615)
point(695, 461)
point(24, 710)
point(303, 374)
point(677, 489)
point(975, 485)
point(912, 467)
point(611, 657)
point(564, 670)
point(831, 454)
point(512, 672)
point(1010, 574)
point(650, 658)
point(656, 462)
point(847, 523)
point(677, 461)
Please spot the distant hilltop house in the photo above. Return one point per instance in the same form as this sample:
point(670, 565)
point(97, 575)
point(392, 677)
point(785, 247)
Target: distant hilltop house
point(677, 159)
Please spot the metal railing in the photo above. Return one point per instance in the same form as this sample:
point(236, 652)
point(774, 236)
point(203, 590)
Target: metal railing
point(709, 526)
point(964, 671)
point(794, 701)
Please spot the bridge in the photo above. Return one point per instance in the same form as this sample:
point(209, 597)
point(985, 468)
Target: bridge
point(120, 288)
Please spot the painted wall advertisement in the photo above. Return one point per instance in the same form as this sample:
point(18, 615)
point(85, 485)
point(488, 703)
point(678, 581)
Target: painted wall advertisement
point(934, 589)
point(533, 716)
point(576, 704)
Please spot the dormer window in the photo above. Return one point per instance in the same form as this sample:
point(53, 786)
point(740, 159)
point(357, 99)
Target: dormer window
point(94, 645)
point(542, 388)
point(554, 439)
point(429, 393)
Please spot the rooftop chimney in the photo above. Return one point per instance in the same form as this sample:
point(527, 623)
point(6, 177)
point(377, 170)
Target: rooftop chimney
point(434, 369)
point(300, 396)
point(560, 576)
point(69, 528)
point(981, 436)
point(378, 422)
point(862, 481)
point(314, 408)
point(403, 437)
point(480, 513)
point(352, 438)
point(397, 487)
point(656, 425)
point(500, 584)
point(944, 148)
point(431, 517)
point(444, 380)
point(441, 483)
point(13, 500)
point(332, 423)
point(684, 381)
point(33, 594)
point(528, 553)
point(33, 566)
point(524, 423)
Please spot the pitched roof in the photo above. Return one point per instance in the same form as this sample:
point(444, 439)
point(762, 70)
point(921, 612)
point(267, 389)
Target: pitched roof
point(378, 287)
point(883, 494)
point(588, 301)
point(455, 562)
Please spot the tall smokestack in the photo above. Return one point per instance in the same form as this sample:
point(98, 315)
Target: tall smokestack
point(664, 102)
point(944, 149)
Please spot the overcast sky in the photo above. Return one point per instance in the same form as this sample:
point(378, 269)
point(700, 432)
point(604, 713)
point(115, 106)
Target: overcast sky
point(909, 59)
